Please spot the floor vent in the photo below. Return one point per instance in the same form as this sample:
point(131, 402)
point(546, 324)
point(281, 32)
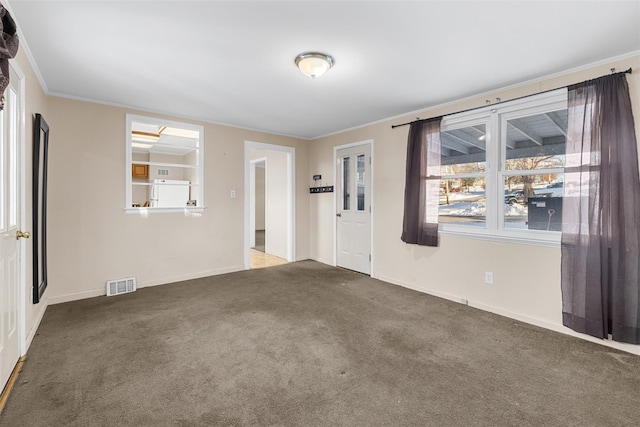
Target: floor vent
point(121, 286)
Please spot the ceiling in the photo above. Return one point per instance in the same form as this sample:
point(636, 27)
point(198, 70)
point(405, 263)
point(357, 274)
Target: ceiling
point(233, 62)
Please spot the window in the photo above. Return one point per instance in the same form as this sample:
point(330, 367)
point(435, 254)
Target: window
point(464, 175)
point(346, 185)
point(502, 169)
point(165, 165)
point(360, 181)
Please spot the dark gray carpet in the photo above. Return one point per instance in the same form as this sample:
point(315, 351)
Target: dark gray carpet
point(310, 345)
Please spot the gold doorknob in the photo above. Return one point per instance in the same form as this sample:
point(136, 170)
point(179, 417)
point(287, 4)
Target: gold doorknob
point(23, 234)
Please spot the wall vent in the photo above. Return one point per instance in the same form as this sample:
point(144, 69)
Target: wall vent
point(121, 286)
point(163, 172)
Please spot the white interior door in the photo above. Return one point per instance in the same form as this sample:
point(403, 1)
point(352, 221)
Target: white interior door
point(10, 216)
point(353, 195)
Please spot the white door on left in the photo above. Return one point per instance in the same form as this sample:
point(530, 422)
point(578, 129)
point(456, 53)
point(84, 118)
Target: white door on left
point(10, 217)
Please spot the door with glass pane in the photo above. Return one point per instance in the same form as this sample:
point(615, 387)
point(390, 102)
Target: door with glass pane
point(10, 216)
point(353, 216)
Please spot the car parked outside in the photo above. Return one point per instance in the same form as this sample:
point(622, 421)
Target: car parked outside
point(516, 196)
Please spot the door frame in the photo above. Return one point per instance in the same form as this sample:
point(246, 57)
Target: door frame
point(335, 198)
point(23, 295)
point(291, 196)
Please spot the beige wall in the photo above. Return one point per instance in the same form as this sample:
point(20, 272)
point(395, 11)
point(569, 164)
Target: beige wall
point(455, 269)
point(92, 239)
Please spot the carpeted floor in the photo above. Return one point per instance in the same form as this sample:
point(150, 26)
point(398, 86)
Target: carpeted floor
point(306, 344)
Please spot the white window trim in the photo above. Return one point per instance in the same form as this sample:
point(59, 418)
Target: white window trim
point(494, 117)
point(186, 210)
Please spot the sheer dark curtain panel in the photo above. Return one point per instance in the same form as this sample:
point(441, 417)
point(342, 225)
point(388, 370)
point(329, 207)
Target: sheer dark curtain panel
point(422, 186)
point(601, 207)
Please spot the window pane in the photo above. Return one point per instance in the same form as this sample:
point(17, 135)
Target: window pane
point(537, 141)
point(533, 202)
point(346, 202)
point(463, 200)
point(13, 158)
point(360, 181)
point(463, 150)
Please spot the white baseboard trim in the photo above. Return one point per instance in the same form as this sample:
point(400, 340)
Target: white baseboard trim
point(444, 295)
point(182, 278)
point(59, 299)
point(556, 327)
point(323, 261)
point(35, 326)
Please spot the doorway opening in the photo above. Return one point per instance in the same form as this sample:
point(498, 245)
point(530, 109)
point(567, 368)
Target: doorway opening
point(269, 205)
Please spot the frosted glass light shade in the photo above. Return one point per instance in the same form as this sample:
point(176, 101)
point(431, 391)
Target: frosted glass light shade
point(313, 64)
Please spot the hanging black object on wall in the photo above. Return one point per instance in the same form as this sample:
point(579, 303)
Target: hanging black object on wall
point(40, 161)
point(328, 189)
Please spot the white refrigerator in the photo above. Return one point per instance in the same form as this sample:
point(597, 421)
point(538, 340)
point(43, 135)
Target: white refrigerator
point(169, 193)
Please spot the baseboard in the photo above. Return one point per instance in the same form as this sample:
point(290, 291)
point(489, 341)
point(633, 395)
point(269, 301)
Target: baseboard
point(556, 327)
point(34, 328)
point(59, 299)
point(182, 278)
point(322, 261)
point(439, 294)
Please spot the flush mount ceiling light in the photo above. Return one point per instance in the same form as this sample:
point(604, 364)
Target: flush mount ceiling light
point(314, 64)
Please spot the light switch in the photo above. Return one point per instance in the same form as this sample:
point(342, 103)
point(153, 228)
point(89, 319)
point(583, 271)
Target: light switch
point(488, 277)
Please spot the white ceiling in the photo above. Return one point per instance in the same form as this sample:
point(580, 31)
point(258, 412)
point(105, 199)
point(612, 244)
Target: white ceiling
point(233, 62)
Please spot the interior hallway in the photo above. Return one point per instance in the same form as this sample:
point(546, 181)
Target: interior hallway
point(261, 259)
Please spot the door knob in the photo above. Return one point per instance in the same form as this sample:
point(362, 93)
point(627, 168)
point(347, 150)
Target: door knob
point(338, 214)
point(23, 234)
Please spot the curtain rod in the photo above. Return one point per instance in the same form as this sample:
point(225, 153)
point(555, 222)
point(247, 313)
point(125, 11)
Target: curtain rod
point(613, 70)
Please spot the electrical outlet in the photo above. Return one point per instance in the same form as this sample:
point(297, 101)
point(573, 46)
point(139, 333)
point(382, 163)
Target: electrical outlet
point(488, 277)
point(233, 194)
